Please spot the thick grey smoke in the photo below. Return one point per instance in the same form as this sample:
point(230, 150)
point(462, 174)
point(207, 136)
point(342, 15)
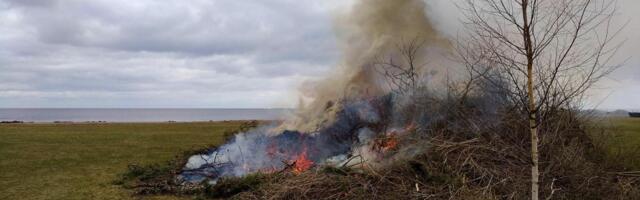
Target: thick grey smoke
point(350, 110)
point(371, 28)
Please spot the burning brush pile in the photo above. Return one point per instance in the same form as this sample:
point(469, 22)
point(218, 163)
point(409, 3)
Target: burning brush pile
point(354, 116)
point(359, 134)
point(382, 127)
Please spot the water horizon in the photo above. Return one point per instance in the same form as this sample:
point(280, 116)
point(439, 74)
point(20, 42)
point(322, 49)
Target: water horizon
point(44, 115)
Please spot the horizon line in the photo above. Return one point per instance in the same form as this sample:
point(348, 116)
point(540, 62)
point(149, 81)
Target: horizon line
point(221, 108)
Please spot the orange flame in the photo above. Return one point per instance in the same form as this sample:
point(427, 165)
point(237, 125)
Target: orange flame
point(302, 163)
point(390, 143)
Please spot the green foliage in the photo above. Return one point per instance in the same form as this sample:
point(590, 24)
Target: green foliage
point(244, 127)
point(137, 174)
point(146, 173)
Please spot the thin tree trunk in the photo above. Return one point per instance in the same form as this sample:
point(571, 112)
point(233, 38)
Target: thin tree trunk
point(535, 174)
point(543, 35)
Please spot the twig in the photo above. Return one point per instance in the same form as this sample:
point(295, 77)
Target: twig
point(349, 160)
point(553, 190)
point(627, 174)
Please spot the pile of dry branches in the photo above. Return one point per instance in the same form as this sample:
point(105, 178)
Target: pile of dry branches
point(461, 157)
point(490, 163)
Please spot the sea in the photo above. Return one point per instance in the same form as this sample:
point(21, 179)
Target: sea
point(43, 115)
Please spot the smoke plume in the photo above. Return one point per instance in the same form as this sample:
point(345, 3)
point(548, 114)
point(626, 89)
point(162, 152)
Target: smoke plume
point(371, 28)
point(351, 113)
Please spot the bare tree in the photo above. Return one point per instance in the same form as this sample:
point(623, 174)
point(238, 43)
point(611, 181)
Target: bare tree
point(549, 52)
point(400, 65)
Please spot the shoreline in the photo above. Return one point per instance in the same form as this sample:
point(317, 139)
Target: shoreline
point(128, 122)
point(140, 115)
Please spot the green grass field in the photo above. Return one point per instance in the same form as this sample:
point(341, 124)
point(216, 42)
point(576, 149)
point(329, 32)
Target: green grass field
point(625, 140)
point(629, 131)
point(80, 161)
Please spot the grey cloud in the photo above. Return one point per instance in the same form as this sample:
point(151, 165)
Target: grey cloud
point(166, 53)
point(176, 53)
point(90, 73)
point(34, 3)
point(276, 28)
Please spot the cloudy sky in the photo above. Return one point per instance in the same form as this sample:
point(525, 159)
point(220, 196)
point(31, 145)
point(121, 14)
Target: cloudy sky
point(200, 53)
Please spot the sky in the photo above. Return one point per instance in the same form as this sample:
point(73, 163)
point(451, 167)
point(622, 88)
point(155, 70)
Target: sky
point(203, 53)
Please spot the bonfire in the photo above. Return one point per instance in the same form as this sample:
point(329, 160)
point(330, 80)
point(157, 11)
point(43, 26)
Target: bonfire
point(361, 129)
point(358, 114)
point(387, 125)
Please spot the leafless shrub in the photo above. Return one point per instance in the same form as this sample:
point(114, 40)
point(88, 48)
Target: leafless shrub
point(400, 65)
point(548, 51)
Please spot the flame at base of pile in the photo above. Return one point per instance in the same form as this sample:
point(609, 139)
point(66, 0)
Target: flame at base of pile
point(360, 129)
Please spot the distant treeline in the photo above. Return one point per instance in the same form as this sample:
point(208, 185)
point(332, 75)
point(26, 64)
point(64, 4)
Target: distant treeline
point(11, 122)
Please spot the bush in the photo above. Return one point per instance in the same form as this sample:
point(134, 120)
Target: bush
point(158, 178)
